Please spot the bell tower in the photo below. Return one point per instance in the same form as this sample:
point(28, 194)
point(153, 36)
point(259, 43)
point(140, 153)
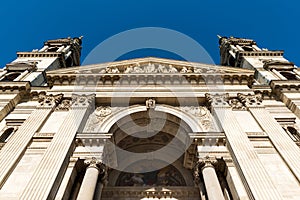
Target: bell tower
point(31, 66)
point(268, 64)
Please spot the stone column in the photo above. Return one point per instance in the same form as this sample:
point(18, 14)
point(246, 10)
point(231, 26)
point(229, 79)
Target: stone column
point(254, 176)
point(17, 144)
point(212, 185)
point(89, 183)
point(49, 173)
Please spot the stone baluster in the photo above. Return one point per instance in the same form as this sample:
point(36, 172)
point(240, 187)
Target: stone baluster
point(17, 144)
point(89, 183)
point(49, 173)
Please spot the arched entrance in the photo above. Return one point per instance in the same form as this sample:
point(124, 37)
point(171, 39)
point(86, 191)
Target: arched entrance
point(150, 147)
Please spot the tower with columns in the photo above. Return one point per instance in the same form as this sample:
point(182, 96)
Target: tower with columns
point(150, 128)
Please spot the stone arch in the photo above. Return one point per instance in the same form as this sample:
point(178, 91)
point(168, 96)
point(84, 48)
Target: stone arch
point(127, 123)
point(187, 118)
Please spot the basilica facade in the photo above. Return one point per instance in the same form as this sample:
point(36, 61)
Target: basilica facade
point(150, 128)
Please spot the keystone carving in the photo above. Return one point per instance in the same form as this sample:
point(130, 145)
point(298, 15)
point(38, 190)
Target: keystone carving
point(150, 103)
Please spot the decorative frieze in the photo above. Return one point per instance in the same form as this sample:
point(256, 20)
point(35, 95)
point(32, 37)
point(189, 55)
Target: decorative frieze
point(98, 116)
point(202, 114)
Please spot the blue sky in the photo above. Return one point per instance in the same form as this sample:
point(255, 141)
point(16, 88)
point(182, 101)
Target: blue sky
point(25, 25)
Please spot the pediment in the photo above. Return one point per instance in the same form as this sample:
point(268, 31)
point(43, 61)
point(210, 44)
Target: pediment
point(150, 65)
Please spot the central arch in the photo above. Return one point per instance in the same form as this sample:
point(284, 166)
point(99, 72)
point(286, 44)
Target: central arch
point(187, 118)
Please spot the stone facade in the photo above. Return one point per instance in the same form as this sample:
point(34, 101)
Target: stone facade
point(150, 128)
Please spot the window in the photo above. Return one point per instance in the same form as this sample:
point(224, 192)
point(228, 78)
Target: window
point(5, 135)
point(11, 76)
point(294, 134)
point(289, 75)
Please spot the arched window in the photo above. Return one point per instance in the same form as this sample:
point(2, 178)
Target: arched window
point(5, 135)
point(69, 61)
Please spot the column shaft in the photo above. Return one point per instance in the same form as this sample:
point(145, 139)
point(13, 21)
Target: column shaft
point(89, 184)
point(212, 185)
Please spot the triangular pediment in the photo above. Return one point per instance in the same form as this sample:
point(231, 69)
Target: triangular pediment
point(150, 65)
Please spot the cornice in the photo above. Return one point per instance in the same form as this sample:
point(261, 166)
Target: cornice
point(14, 86)
point(152, 78)
point(289, 85)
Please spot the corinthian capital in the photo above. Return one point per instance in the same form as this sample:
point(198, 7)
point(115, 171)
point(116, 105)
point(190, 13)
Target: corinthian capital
point(82, 100)
point(95, 163)
point(217, 100)
point(49, 100)
point(207, 162)
point(250, 100)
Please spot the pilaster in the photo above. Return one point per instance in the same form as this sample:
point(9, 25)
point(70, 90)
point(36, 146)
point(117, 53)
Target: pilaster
point(287, 148)
point(17, 144)
point(48, 175)
point(251, 170)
